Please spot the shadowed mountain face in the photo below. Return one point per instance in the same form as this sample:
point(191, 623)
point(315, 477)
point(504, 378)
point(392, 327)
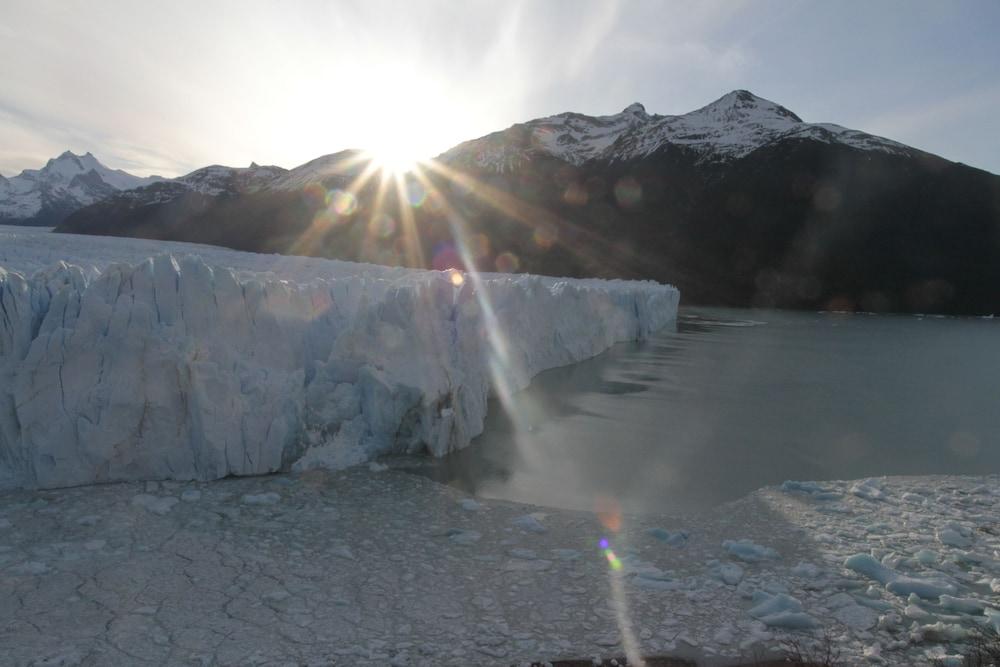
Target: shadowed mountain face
point(738, 203)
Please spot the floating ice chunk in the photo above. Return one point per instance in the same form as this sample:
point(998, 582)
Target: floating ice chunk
point(867, 565)
point(916, 612)
point(806, 571)
point(749, 551)
point(993, 619)
point(954, 535)
point(774, 607)
point(928, 589)
point(463, 536)
point(894, 582)
point(880, 606)
point(926, 557)
point(791, 486)
point(873, 653)
point(470, 505)
point(530, 523)
point(155, 504)
point(657, 583)
point(792, 620)
point(191, 495)
point(839, 600)
point(814, 490)
point(943, 632)
point(869, 489)
point(375, 466)
point(856, 617)
point(267, 498)
point(731, 573)
point(890, 622)
point(995, 585)
point(672, 537)
point(964, 605)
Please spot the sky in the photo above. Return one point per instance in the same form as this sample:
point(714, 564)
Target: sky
point(165, 88)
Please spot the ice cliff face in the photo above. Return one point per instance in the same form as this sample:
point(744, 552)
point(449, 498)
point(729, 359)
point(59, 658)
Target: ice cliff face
point(171, 368)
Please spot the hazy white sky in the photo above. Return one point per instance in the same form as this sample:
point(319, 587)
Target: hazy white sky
point(169, 87)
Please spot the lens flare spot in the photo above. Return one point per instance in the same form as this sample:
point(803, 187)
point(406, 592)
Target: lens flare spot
point(609, 512)
point(457, 279)
point(434, 203)
point(575, 195)
point(326, 217)
point(344, 203)
point(507, 262)
point(542, 136)
point(315, 194)
point(628, 192)
point(613, 561)
point(415, 194)
point(384, 226)
point(545, 235)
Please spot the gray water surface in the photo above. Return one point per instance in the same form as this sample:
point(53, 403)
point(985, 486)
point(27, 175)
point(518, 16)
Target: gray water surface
point(732, 400)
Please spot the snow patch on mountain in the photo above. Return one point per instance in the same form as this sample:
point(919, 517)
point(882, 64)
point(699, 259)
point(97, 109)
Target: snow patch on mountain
point(184, 367)
point(343, 166)
point(729, 128)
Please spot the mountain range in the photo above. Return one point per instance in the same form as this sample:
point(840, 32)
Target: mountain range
point(738, 203)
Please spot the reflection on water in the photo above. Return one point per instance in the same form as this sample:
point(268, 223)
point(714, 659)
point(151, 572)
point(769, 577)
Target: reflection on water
point(732, 400)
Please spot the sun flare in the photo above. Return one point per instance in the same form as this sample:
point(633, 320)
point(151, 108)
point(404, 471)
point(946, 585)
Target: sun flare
point(396, 159)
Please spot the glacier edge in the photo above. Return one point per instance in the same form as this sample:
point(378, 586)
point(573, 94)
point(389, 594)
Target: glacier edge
point(171, 368)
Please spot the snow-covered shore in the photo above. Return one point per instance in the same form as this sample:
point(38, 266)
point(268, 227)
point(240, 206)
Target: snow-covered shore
point(206, 362)
point(380, 567)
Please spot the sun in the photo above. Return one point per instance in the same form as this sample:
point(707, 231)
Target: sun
point(395, 159)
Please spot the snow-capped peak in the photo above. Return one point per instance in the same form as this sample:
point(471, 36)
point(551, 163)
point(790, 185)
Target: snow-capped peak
point(743, 105)
point(732, 126)
point(636, 109)
point(65, 183)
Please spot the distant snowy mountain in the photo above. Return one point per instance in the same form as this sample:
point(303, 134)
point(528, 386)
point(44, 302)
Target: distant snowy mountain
point(46, 196)
point(727, 129)
point(212, 181)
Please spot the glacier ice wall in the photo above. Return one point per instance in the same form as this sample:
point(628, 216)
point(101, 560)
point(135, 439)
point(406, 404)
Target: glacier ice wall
point(173, 369)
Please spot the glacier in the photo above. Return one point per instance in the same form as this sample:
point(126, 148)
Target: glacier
point(197, 363)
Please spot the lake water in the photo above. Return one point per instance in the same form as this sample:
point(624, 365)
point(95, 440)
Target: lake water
point(732, 400)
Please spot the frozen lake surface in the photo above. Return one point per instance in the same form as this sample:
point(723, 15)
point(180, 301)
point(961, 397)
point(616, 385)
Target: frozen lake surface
point(733, 400)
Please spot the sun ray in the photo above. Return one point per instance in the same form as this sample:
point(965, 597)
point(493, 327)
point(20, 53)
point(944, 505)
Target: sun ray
point(525, 213)
point(411, 237)
point(308, 241)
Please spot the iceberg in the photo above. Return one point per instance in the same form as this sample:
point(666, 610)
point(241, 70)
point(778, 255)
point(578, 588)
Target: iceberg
point(181, 368)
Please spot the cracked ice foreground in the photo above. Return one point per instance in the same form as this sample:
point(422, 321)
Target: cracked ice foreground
point(205, 362)
point(362, 567)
